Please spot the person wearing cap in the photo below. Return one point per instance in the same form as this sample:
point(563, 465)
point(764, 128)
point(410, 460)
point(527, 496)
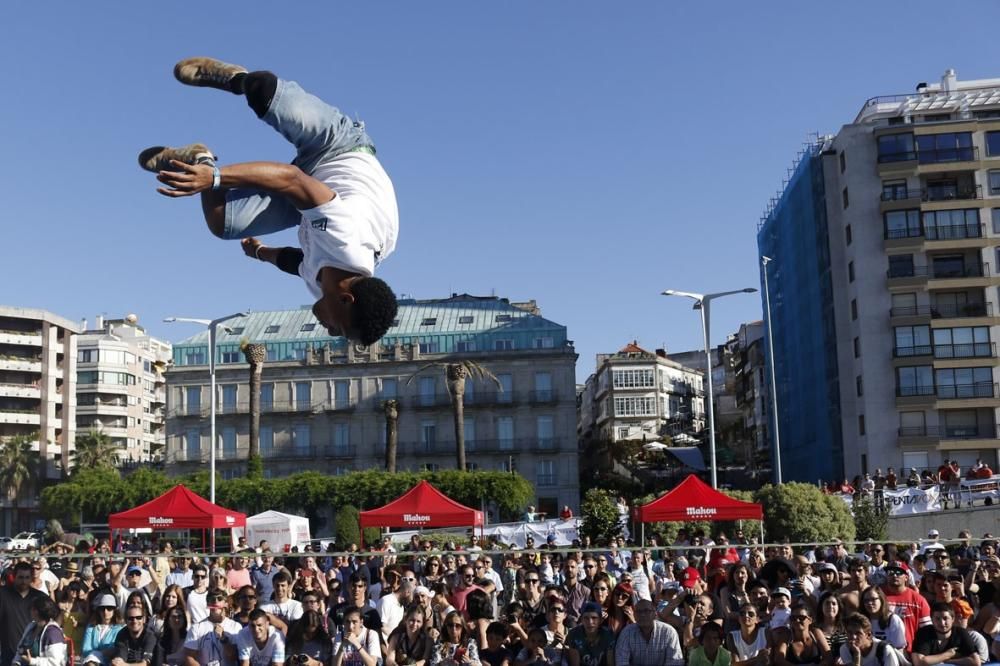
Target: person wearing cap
point(904, 600)
point(932, 544)
point(780, 608)
point(648, 642)
point(102, 629)
point(15, 609)
point(71, 572)
point(829, 579)
point(589, 643)
point(213, 640)
point(260, 644)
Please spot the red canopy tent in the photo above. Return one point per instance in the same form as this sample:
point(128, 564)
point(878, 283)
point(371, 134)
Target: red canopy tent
point(422, 506)
point(693, 499)
point(177, 509)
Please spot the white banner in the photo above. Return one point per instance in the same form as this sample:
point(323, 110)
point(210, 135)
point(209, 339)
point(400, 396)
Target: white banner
point(906, 501)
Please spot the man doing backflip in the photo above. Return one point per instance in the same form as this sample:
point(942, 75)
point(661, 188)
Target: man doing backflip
point(335, 191)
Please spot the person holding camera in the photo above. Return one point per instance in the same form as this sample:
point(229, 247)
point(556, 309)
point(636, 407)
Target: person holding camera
point(309, 642)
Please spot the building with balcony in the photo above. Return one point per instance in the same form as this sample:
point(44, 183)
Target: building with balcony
point(37, 380)
point(884, 286)
point(121, 389)
point(635, 394)
point(321, 398)
point(751, 389)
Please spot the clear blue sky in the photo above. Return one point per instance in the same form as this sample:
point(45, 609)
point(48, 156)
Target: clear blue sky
point(584, 154)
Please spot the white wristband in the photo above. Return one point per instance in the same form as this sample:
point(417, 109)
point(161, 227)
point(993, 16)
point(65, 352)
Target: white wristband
point(216, 178)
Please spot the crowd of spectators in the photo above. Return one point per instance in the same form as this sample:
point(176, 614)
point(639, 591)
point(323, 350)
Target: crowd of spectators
point(698, 600)
point(948, 478)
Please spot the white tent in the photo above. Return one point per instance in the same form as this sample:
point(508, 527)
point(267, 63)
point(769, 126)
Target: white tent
point(278, 529)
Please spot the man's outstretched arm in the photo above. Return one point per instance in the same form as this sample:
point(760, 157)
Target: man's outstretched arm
point(285, 180)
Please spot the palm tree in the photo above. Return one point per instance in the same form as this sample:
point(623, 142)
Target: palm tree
point(19, 465)
point(455, 375)
point(255, 354)
point(391, 409)
point(93, 450)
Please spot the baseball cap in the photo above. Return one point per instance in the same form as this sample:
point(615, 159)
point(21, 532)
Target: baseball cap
point(781, 590)
point(132, 570)
point(689, 577)
point(551, 538)
point(897, 566)
point(591, 607)
point(422, 591)
point(933, 534)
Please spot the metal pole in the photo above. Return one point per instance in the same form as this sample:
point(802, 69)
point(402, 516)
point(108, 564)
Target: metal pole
point(211, 418)
point(708, 377)
point(774, 387)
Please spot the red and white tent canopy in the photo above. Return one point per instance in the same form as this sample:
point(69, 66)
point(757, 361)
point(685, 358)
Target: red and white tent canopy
point(422, 506)
point(693, 499)
point(177, 509)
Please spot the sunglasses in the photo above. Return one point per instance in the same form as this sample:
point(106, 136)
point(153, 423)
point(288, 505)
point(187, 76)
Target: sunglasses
point(800, 618)
point(532, 581)
point(136, 618)
point(198, 576)
point(455, 625)
point(557, 609)
point(589, 566)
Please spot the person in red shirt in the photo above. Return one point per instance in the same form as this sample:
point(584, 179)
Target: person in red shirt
point(905, 601)
point(566, 512)
point(465, 585)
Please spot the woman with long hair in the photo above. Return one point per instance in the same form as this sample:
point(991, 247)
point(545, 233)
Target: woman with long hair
point(621, 611)
point(531, 596)
point(455, 647)
point(831, 622)
point(43, 642)
point(734, 593)
point(802, 643)
point(886, 625)
point(432, 571)
point(72, 620)
point(172, 636)
point(102, 628)
point(307, 637)
point(600, 594)
point(749, 643)
point(172, 597)
point(409, 643)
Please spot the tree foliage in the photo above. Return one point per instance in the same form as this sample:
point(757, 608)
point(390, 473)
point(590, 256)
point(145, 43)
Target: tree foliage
point(20, 465)
point(600, 516)
point(347, 530)
point(870, 524)
point(92, 450)
point(98, 492)
point(801, 512)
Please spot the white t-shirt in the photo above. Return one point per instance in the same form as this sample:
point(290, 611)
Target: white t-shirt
point(369, 641)
point(286, 611)
point(390, 611)
point(211, 651)
point(197, 603)
point(355, 230)
point(273, 651)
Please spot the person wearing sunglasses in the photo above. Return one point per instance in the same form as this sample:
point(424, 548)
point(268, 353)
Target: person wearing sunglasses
point(531, 596)
point(904, 601)
point(466, 584)
point(136, 643)
point(621, 611)
point(749, 643)
point(455, 647)
point(213, 640)
point(197, 596)
point(802, 643)
point(246, 603)
point(102, 629)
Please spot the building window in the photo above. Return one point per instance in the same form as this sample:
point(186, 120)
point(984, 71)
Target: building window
point(857, 348)
point(229, 443)
point(463, 346)
point(86, 356)
point(848, 236)
point(635, 406)
point(266, 396)
point(952, 224)
point(430, 467)
point(272, 353)
point(543, 386)
point(914, 381)
point(844, 199)
point(896, 148)
point(505, 432)
point(902, 224)
point(912, 341)
point(623, 432)
point(469, 425)
point(545, 432)
point(229, 398)
point(858, 387)
point(901, 265)
point(894, 190)
point(429, 347)
point(850, 271)
point(544, 343)
point(861, 424)
point(427, 385)
point(303, 395)
point(469, 397)
point(854, 309)
point(301, 437)
point(962, 342)
point(995, 218)
point(266, 440)
point(633, 378)
point(993, 144)
point(428, 321)
point(545, 473)
point(843, 161)
point(465, 319)
point(341, 438)
point(231, 357)
point(341, 394)
point(503, 345)
point(389, 388)
point(236, 331)
point(964, 383)
point(193, 400)
point(945, 147)
point(273, 328)
point(307, 327)
point(500, 318)
point(428, 434)
point(506, 393)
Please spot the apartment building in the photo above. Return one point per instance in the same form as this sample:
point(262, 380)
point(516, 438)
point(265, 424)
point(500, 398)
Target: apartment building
point(636, 394)
point(749, 383)
point(121, 389)
point(884, 286)
point(322, 397)
point(37, 380)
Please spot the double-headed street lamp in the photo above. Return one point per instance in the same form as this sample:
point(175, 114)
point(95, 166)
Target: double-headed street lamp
point(212, 324)
point(702, 302)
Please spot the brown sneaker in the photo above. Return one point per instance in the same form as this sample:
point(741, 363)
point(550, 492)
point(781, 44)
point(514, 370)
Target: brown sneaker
point(158, 158)
point(206, 72)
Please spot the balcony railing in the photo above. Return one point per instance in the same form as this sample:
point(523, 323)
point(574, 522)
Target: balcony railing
point(951, 193)
point(954, 231)
point(966, 391)
point(944, 311)
point(546, 480)
point(542, 396)
point(916, 350)
point(939, 272)
point(914, 391)
point(899, 194)
point(969, 350)
point(901, 156)
point(953, 432)
point(943, 155)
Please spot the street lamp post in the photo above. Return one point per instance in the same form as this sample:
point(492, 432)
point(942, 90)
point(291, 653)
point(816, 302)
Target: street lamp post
point(702, 302)
point(212, 325)
point(764, 261)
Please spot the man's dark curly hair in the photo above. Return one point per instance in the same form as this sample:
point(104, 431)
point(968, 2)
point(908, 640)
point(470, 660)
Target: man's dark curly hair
point(374, 309)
